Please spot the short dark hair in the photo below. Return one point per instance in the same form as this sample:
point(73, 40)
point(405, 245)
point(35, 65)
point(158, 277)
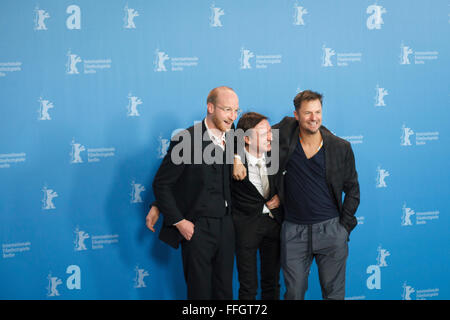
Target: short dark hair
point(306, 95)
point(212, 96)
point(250, 120)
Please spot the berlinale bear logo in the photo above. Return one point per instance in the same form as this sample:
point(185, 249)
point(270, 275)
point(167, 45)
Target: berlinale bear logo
point(130, 14)
point(216, 13)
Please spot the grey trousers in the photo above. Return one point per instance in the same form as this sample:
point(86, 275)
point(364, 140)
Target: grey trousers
point(300, 244)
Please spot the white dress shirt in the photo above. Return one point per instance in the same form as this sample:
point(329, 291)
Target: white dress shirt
point(254, 175)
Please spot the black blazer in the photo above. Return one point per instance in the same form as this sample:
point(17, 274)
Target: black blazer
point(183, 191)
point(340, 168)
point(248, 203)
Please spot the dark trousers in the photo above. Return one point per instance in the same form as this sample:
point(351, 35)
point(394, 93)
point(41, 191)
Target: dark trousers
point(208, 259)
point(261, 234)
point(327, 243)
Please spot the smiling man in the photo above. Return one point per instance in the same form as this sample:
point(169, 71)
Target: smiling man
point(317, 167)
point(195, 201)
point(257, 214)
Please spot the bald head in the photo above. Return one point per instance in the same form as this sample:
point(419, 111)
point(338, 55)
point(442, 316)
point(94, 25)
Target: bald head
point(223, 107)
point(214, 93)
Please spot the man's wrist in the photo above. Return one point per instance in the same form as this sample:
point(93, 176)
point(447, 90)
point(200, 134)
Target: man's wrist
point(177, 222)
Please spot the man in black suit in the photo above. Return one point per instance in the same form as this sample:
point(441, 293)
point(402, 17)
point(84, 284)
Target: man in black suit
point(192, 188)
point(256, 214)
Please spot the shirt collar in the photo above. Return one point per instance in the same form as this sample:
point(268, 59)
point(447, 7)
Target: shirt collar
point(216, 140)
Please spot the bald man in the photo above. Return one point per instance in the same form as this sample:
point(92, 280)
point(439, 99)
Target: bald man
point(193, 194)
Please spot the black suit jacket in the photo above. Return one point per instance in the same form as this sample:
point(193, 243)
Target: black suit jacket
point(340, 168)
point(248, 203)
point(183, 191)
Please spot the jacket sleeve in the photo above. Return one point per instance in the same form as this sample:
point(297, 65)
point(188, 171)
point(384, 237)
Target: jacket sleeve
point(163, 187)
point(351, 190)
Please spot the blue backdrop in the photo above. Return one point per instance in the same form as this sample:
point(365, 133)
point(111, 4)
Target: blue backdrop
point(91, 91)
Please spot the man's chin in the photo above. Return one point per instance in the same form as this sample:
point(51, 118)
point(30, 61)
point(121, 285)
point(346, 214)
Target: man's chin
point(312, 132)
point(225, 127)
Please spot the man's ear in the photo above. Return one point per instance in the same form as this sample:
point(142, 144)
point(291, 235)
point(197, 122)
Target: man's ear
point(210, 107)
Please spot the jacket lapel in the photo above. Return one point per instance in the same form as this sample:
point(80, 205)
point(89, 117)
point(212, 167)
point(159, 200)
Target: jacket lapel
point(206, 140)
point(326, 136)
point(293, 141)
point(271, 177)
